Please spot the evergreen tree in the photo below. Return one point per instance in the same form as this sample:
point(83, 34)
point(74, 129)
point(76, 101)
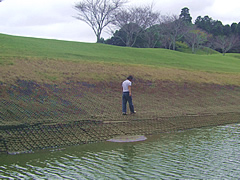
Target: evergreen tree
point(227, 31)
point(216, 28)
point(234, 28)
point(185, 15)
point(238, 29)
point(204, 23)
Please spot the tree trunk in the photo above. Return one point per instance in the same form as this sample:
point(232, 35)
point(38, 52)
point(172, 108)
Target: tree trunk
point(193, 49)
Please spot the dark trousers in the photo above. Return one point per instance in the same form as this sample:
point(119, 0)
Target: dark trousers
point(126, 98)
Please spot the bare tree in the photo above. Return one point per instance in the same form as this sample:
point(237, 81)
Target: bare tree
point(153, 35)
point(195, 38)
point(98, 13)
point(134, 21)
point(174, 29)
point(225, 43)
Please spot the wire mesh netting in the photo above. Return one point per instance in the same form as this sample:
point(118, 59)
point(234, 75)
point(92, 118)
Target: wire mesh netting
point(29, 102)
point(34, 116)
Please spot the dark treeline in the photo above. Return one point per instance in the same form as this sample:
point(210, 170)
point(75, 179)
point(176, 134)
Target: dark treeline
point(143, 28)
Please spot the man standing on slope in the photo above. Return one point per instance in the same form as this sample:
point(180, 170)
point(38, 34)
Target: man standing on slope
point(127, 96)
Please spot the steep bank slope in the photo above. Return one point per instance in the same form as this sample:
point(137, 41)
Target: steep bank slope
point(50, 81)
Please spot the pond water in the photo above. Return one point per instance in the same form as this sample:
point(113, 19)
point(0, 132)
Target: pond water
point(206, 153)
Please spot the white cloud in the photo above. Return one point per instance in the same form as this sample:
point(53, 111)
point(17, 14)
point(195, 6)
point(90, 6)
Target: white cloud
point(35, 12)
point(226, 11)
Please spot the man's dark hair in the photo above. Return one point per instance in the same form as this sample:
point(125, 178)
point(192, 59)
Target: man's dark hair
point(129, 77)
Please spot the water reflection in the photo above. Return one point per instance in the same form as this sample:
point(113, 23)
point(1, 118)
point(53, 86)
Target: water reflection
point(207, 153)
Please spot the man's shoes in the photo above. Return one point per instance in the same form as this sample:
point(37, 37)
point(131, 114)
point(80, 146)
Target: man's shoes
point(133, 112)
point(130, 113)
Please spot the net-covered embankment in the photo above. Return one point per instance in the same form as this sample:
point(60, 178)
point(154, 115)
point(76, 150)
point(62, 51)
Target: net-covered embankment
point(27, 138)
point(36, 116)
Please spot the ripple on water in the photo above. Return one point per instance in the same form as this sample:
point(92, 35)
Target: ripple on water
point(207, 153)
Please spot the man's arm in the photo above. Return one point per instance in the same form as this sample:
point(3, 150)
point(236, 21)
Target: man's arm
point(130, 90)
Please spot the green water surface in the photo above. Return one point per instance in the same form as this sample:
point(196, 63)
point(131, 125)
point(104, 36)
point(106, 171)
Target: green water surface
point(206, 153)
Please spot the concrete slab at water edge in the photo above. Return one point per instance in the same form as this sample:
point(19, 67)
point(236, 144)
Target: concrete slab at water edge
point(122, 139)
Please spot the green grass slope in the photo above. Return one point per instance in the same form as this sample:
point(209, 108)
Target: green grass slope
point(13, 47)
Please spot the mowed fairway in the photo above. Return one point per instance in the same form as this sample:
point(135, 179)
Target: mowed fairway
point(50, 81)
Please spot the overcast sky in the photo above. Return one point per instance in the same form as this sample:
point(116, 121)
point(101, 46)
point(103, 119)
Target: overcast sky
point(54, 19)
